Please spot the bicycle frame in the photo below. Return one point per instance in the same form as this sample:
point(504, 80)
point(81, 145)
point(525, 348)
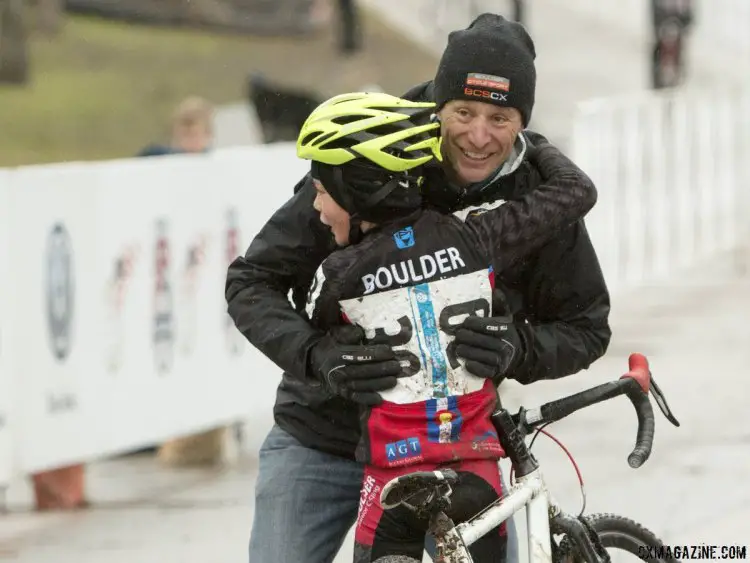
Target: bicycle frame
point(531, 493)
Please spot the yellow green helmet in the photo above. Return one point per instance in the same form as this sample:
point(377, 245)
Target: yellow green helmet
point(395, 134)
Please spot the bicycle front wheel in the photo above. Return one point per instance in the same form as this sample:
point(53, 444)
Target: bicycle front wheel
point(619, 534)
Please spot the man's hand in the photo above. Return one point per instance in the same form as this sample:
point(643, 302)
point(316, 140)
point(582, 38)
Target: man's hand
point(491, 346)
point(534, 141)
point(539, 149)
point(354, 370)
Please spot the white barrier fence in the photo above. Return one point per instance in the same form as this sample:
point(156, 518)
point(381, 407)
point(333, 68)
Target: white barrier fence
point(673, 181)
point(720, 25)
point(113, 324)
point(5, 327)
point(112, 301)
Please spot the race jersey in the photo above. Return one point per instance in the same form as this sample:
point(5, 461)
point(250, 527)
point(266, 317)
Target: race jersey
point(409, 284)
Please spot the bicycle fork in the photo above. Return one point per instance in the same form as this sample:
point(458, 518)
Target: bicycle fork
point(584, 537)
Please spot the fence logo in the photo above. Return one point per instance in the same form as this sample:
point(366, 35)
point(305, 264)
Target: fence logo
point(234, 338)
point(163, 300)
point(116, 290)
point(60, 289)
point(190, 280)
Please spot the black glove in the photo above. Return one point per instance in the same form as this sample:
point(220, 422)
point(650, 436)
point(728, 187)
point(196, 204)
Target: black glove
point(491, 346)
point(354, 370)
point(543, 155)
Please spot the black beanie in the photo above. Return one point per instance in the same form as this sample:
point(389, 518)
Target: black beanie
point(490, 61)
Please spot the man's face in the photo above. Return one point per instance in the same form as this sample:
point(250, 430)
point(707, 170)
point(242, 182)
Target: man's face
point(332, 214)
point(477, 137)
point(193, 138)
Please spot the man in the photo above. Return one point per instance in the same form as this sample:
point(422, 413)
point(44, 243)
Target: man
point(671, 21)
point(192, 129)
point(308, 485)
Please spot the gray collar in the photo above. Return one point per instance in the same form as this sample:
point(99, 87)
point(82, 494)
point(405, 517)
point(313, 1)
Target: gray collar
point(511, 164)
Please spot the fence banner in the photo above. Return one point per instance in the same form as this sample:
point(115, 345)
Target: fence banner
point(120, 328)
point(54, 338)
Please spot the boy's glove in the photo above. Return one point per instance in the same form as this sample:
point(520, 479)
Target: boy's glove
point(354, 370)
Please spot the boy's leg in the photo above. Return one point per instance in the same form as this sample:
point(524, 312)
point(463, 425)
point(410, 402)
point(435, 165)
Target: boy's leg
point(380, 533)
point(480, 485)
point(305, 502)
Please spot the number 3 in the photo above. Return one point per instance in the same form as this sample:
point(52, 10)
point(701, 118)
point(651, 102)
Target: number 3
point(406, 333)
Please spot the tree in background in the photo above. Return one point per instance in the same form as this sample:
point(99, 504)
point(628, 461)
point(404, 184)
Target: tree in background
point(48, 15)
point(350, 33)
point(14, 55)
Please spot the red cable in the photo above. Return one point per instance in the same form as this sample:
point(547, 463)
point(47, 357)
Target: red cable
point(570, 456)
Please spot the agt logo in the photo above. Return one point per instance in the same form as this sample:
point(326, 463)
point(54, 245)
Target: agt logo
point(403, 451)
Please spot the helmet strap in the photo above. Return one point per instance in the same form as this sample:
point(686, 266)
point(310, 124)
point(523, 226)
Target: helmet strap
point(355, 229)
point(344, 193)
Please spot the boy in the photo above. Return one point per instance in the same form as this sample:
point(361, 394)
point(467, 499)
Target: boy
point(406, 277)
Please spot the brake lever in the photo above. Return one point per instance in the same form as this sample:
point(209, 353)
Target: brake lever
point(662, 401)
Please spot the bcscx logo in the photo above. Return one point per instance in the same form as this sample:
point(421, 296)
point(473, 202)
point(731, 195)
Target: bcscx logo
point(486, 94)
point(402, 450)
point(404, 238)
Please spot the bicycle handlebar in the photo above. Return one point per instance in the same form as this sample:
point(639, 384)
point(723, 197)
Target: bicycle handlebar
point(635, 384)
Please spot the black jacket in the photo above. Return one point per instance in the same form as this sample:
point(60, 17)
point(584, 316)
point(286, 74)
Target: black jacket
point(558, 289)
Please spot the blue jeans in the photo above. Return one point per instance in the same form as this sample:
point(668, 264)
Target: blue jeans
point(306, 501)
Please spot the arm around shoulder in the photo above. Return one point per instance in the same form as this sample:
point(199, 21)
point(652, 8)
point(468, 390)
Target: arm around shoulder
point(568, 304)
point(558, 194)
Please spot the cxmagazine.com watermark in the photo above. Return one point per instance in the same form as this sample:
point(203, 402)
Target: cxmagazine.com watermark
point(701, 551)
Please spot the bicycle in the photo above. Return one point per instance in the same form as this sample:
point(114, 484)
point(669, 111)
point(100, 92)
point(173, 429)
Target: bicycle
point(584, 538)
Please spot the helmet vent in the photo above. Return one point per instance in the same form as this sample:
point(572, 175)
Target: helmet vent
point(322, 138)
point(344, 119)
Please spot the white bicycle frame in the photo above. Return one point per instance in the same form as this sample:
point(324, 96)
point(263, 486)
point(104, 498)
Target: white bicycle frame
point(531, 492)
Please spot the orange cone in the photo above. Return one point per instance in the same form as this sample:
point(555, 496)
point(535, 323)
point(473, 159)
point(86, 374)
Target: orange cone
point(60, 489)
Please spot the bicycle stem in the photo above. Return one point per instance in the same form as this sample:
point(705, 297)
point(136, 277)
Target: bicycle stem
point(512, 440)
